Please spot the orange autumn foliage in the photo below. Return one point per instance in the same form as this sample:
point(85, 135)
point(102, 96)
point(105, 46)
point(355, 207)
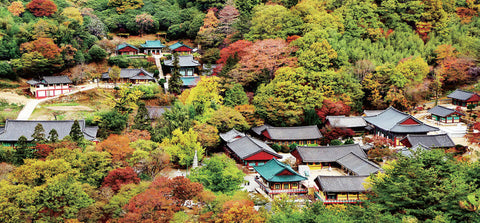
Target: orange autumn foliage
point(117, 146)
point(239, 211)
point(16, 8)
point(44, 46)
point(42, 7)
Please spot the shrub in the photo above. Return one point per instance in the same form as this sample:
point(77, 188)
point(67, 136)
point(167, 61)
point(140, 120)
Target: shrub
point(276, 147)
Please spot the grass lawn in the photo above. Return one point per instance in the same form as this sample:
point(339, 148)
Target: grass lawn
point(8, 111)
point(76, 106)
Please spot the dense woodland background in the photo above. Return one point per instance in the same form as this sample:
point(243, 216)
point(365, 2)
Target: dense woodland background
point(282, 62)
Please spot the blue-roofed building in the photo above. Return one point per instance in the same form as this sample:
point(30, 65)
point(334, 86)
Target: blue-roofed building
point(395, 125)
point(152, 47)
point(279, 178)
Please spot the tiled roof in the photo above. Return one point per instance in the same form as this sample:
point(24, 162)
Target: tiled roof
point(316, 154)
point(208, 70)
point(183, 61)
point(391, 118)
point(155, 112)
point(231, 135)
point(431, 141)
point(294, 133)
point(408, 152)
point(16, 128)
point(51, 80)
point(358, 165)
point(190, 81)
point(178, 45)
point(372, 112)
point(339, 184)
point(346, 122)
point(129, 73)
point(259, 129)
point(461, 95)
point(123, 45)
point(273, 167)
point(443, 111)
point(248, 146)
point(153, 44)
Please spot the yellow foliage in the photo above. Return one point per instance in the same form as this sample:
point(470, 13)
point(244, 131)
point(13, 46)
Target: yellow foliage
point(73, 13)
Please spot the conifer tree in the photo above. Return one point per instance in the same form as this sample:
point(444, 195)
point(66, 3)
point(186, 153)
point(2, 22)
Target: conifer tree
point(38, 134)
point(142, 120)
point(175, 82)
point(53, 135)
point(76, 132)
point(22, 150)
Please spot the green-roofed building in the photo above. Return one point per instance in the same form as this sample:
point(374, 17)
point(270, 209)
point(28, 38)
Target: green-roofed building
point(152, 47)
point(180, 47)
point(278, 178)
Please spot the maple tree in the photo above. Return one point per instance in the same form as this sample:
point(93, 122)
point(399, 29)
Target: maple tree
point(42, 150)
point(226, 118)
point(117, 145)
point(207, 135)
point(145, 23)
point(122, 5)
point(42, 7)
point(262, 59)
point(44, 46)
point(331, 133)
point(120, 176)
point(332, 108)
point(16, 8)
point(73, 13)
point(227, 16)
point(239, 211)
point(161, 200)
point(248, 111)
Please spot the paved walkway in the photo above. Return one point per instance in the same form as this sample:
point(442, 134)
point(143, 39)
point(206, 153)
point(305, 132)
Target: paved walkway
point(28, 109)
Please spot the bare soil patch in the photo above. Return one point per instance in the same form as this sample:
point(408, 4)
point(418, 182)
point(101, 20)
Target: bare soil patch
point(70, 108)
point(13, 98)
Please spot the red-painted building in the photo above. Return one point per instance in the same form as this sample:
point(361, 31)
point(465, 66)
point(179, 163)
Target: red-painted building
point(300, 135)
point(50, 86)
point(180, 47)
point(126, 49)
point(249, 151)
point(464, 98)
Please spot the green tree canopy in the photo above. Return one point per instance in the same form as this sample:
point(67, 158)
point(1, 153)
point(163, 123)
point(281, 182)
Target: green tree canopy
point(220, 174)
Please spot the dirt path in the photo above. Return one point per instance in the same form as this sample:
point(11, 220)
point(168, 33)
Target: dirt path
point(70, 108)
point(27, 111)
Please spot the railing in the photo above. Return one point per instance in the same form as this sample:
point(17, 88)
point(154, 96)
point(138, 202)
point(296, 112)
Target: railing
point(329, 201)
point(281, 191)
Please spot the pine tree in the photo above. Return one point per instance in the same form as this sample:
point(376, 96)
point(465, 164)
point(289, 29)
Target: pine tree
point(53, 135)
point(38, 134)
point(22, 150)
point(142, 120)
point(175, 82)
point(76, 132)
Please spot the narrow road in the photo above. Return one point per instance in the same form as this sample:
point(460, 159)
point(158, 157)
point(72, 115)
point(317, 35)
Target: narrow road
point(28, 109)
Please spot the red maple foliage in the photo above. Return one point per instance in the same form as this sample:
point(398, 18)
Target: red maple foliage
point(238, 48)
point(161, 200)
point(332, 108)
point(116, 145)
point(330, 134)
point(43, 150)
point(292, 38)
point(136, 134)
point(42, 7)
point(45, 46)
point(120, 176)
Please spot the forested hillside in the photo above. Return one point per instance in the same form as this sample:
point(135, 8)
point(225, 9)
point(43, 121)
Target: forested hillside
point(283, 63)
